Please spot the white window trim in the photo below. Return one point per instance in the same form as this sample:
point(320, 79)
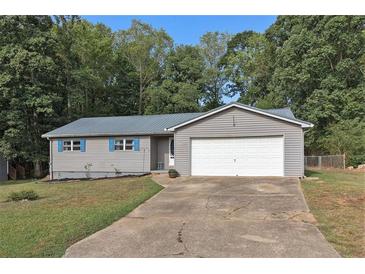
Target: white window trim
point(72, 145)
point(124, 144)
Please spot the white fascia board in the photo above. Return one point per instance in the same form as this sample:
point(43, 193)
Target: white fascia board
point(303, 125)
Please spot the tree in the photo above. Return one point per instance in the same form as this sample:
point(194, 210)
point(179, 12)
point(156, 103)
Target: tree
point(29, 87)
point(121, 97)
point(145, 49)
point(93, 46)
point(213, 46)
point(347, 136)
point(181, 87)
point(318, 70)
point(64, 29)
point(98, 80)
point(248, 65)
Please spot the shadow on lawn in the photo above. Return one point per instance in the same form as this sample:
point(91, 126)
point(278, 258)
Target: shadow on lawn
point(18, 182)
point(311, 173)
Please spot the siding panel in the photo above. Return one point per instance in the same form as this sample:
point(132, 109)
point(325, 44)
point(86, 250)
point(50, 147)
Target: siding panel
point(236, 122)
point(98, 158)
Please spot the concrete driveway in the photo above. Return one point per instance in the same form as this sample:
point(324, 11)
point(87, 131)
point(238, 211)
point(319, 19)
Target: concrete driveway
point(214, 217)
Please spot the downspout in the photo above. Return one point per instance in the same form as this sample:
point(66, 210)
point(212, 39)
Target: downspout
point(50, 160)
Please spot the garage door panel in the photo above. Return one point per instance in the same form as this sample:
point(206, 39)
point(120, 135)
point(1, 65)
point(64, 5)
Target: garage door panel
point(253, 156)
point(215, 154)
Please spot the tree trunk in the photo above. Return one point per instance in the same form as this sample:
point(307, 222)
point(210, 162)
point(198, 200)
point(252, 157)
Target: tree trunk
point(37, 169)
point(140, 93)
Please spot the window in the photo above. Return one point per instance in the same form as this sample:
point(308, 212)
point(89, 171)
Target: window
point(171, 151)
point(119, 144)
point(67, 145)
point(72, 145)
point(76, 145)
point(172, 148)
point(123, 144)
point(128, 144)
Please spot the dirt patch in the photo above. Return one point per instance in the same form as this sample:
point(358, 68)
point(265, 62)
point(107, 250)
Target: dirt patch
point(352, 201)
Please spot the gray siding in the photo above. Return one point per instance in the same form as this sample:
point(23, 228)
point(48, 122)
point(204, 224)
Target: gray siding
point(246, 123)
point(153, 153)
point(73, 164)
point(3, 169)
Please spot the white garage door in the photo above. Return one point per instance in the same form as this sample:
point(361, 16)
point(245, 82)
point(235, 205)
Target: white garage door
point(253, 156)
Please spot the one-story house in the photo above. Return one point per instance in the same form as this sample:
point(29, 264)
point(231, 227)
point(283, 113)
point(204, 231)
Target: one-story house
point(231, 140)
point(3, 169)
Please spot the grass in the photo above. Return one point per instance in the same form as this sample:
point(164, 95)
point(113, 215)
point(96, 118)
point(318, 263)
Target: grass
point(337, 200)
point(65, 213)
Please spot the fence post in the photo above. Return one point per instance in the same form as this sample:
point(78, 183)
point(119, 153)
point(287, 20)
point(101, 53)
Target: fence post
point(320, 162)
point(344, 160)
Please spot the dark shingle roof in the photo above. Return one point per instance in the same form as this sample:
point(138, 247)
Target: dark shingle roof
point(283, 112)
point(141, 124)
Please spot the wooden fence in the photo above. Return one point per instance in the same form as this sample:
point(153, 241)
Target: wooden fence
point(17, 172)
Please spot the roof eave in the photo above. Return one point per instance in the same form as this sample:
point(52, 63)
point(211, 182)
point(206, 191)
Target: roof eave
point(102, 134)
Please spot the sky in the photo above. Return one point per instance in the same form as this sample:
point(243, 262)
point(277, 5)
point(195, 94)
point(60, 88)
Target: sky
point(188, 29)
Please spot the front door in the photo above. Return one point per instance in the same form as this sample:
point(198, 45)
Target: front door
point(171, 151)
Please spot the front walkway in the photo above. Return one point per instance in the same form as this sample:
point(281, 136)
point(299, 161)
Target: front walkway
point(214, 217)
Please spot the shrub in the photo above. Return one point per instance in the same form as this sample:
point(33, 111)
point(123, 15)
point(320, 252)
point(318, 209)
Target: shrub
point(173, 173)
point(29, 195)
point(356, 160)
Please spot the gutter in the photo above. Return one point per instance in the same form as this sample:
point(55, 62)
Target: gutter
point(102, 135)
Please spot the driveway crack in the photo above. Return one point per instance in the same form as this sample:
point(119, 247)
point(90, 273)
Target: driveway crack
point(229, 214)
point(180, 237)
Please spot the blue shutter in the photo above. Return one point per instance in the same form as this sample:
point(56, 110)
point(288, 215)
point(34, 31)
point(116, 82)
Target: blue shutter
point(136, 144)
point(111, 144)
point(60, 145)
point(82, 145)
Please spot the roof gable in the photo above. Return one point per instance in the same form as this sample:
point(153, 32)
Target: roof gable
point(280, 114)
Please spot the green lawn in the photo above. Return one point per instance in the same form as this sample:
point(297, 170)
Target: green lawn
point(66, 212)
point(337, 200)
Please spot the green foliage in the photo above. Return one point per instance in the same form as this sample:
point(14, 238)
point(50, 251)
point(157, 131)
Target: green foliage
point(173, 173)
point(29, 85)
point(248, 65)
point(181, 86)
point(213, 48)
point(29, 195)
point(347, 136)
point(317, 70)
point(145, 49)
point(355, 160)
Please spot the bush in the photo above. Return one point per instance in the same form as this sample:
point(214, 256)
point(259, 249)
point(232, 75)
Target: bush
point(29, 195)
point(356, 160)
point(173, 173)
